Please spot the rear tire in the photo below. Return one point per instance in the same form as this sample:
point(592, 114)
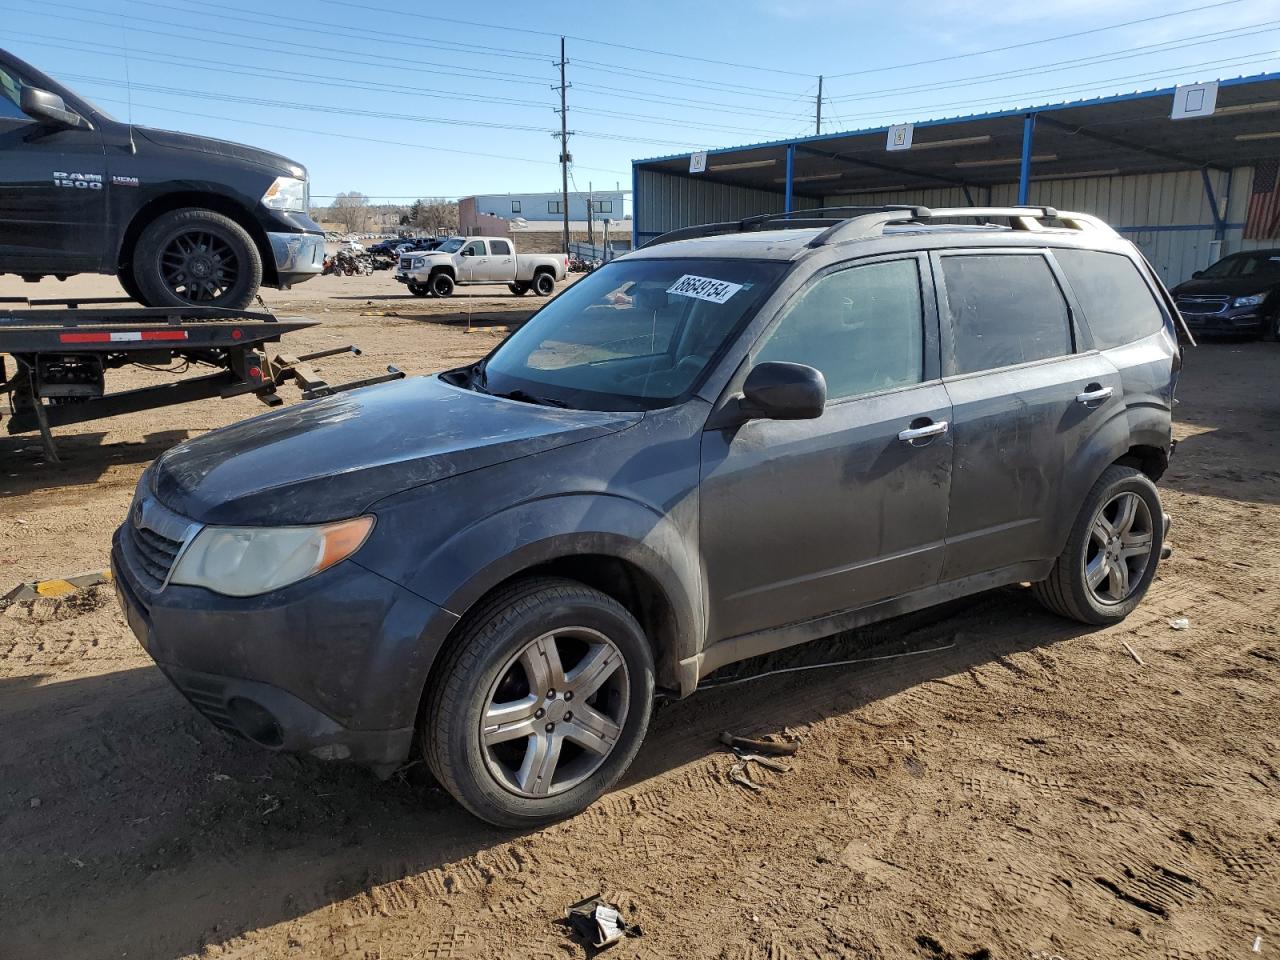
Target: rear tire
point(489, 726)
point(1112, 553)
point(441, 285)
point(196, 258)
point(544, 284)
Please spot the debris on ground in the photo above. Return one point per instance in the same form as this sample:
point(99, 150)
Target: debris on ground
point(738, 774)
point(1133, 653)
point(597, 923)
point(759, 746)
point(1181, 623)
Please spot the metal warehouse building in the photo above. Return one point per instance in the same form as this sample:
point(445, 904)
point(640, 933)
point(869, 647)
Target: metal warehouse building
point(1180, 189)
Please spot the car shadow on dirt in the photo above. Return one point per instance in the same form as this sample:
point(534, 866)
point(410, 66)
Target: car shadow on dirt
point(119, 795)
point(83, 457)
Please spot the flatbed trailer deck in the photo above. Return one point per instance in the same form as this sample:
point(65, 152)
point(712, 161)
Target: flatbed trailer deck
point(59, 359)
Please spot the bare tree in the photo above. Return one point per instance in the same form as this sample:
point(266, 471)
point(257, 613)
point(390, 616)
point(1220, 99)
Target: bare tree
point(436, 215)
point(351, 210)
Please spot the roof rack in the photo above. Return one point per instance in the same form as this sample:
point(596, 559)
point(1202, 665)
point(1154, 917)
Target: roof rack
point(843, 224)
point(812, 217)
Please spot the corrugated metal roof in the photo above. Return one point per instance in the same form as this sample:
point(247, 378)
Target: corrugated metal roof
point(1112, 135)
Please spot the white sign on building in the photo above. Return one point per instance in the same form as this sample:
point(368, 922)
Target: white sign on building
point(698, 162)
point(899, 137)
point(1194, 100)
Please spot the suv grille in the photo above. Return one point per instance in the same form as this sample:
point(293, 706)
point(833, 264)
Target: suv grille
point(155, 553)
point(1202, 306)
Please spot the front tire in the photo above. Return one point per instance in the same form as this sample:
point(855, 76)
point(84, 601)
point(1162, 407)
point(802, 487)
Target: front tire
point(540, 705)
point(518, 289)
point(441, 285)
point(418, 290)
point(196, 258)
point(1112, 553)
point(544, 284)
point(129, 285)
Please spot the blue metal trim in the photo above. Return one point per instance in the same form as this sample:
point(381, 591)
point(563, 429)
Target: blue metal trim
point(635, 205)
point(1213, 202)
point(1024, 167)
point(791, 163)
point(994, 115)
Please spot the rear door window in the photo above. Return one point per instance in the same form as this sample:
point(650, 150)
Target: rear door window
point(863, 327)
point(1004, 310)
point(1117, 303)
point(500, 248)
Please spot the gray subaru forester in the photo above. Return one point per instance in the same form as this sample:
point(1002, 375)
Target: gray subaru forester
point(741, 437)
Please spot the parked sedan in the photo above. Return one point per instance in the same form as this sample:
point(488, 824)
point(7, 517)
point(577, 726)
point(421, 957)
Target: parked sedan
point(1239, 294)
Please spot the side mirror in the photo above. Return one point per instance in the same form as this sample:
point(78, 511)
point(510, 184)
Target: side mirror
point(49, 107)
point(1197, 275)
point(775, 390)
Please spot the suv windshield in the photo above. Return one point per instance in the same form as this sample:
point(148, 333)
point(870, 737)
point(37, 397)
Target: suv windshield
point(633, 335)
point(1263, 265)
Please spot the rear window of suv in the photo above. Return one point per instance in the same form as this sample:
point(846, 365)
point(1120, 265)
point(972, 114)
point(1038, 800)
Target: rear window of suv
point(1005, 309)
point(1118, 305)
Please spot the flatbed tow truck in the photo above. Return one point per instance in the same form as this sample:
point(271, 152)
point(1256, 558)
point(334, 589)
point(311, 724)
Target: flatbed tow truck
point(59, 352)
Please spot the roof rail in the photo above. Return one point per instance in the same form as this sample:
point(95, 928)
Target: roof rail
point(812, 217)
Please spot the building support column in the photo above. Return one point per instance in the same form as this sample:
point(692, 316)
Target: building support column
point(791, 162)
point(1024, 170)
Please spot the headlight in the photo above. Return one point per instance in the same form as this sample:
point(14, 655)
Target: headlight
point(1252, 301)
point(246, 561)
point(286, 193)
point(418, 263)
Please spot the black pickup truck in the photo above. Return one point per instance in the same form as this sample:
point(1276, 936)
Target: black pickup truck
point(181, 220)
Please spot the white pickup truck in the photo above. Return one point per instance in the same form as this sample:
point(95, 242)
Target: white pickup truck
point(480, 260)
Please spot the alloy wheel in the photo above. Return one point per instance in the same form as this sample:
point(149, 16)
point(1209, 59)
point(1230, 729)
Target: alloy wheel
point(1121, 539)
point(199, 266)
point(555, 713)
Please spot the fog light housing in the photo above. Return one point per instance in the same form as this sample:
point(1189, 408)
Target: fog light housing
point(256, 722)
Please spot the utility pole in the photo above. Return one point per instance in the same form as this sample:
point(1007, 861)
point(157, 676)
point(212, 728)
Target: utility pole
point(591, 232)
point(565, 157)
point(818, 126)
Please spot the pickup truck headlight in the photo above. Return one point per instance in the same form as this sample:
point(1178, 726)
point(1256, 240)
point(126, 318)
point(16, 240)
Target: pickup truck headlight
point(1252, 301)
point(246, 561)
point(286, 193)
point(418, 263)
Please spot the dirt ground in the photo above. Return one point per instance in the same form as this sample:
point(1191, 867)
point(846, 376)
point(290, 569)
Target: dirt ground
point(1023, 788)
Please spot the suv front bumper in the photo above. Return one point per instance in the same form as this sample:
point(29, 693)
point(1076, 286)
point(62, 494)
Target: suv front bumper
point(298, 256)
point(333, 666)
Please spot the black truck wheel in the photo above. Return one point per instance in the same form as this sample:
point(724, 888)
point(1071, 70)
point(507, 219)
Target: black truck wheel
point(544, 284)
point(1112, 552)
point(195, 257)
point(519, 288)
point(129, 285)
point(541, 704)
point(441, 285)
point(418, 290)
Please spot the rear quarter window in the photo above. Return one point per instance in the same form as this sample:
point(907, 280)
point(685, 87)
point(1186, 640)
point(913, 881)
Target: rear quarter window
point(1118, 305)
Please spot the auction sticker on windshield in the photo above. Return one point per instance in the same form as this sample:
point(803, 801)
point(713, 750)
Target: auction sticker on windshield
point(704, 288)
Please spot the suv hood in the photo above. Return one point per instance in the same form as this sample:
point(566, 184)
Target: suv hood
point(222, 148)
point(332, 458)
point(1223, 287)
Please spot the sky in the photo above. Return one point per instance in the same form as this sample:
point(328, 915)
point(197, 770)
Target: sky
point(427, 99)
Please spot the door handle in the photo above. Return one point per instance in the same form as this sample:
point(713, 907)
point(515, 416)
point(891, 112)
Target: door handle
point(911, 434)
point(1094, 394)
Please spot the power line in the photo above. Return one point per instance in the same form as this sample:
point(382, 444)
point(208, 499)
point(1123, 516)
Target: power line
point(506, 28)
point(1032, 43)
point(1132, 53)
point(351, 136)
point(638, 73)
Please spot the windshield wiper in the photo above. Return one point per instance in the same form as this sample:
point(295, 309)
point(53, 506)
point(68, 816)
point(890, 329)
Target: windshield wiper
point(524, 396)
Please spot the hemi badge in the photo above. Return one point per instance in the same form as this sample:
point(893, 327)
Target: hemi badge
point(131, 336)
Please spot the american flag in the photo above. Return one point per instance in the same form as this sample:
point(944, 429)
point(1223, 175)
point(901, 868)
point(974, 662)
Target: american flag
point(1262, 222)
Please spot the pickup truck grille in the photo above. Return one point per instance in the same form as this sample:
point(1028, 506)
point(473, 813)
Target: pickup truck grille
point(406, 263)
point(1202, 306)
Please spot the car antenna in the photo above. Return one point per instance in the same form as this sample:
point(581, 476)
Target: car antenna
point(128, 87)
